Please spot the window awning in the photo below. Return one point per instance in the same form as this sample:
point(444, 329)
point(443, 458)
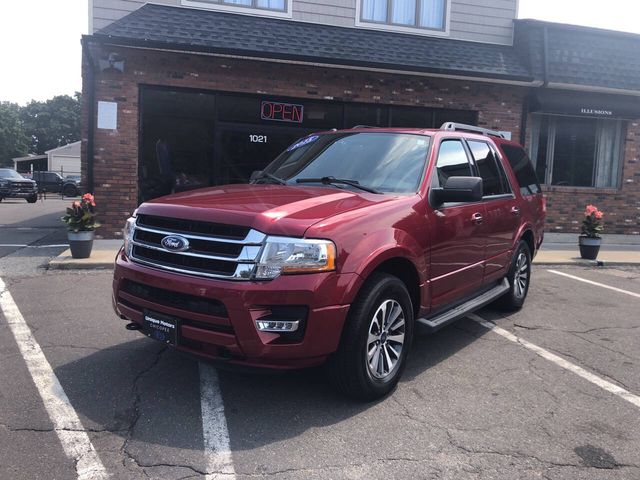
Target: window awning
point(585, 104)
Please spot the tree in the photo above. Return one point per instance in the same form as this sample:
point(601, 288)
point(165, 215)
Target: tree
point(52, 123)
point(14, 141)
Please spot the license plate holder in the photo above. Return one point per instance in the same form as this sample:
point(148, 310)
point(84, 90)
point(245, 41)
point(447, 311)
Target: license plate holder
point(160, 327)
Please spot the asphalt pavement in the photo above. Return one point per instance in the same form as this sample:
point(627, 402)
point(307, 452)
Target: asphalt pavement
point(550, 392)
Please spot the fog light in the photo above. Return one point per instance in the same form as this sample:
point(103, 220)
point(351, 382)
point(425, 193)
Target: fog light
point(278, 326)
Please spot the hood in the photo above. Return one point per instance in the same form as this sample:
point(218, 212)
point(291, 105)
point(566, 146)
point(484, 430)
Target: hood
point(271, 209)
point(18, 180)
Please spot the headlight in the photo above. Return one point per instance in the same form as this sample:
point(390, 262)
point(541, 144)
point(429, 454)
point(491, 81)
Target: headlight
point(282, 255)
point(127, 234)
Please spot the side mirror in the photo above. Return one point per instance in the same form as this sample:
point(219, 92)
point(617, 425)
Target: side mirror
point(255, 175)
point(458, 189)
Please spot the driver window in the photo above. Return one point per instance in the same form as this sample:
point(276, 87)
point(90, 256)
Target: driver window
point(452, 162)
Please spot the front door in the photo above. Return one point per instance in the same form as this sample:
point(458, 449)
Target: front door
point(458, 238)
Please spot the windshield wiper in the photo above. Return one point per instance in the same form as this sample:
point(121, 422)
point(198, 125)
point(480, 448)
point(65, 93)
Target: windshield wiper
point(265, 175)
point(341, 181)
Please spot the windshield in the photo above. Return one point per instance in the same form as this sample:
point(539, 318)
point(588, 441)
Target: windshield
point(386, 162)
point(6, 173)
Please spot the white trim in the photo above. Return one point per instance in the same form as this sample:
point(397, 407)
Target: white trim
point(68, 145)
point(423, 31)
point(90, 17)
point(262, 12)
point(520, 83)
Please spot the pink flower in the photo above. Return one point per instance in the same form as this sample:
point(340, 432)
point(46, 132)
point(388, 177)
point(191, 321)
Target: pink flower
point(599, 214)
point(590, 209)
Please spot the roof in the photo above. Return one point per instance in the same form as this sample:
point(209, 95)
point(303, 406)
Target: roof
point(71, 149)
point(29, 157)
point(160, 26)
point(581, 56)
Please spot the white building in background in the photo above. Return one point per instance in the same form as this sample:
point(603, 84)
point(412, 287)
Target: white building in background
point(64, 160)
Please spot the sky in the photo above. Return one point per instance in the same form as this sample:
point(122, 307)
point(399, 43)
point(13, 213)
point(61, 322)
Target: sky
point(41, 54)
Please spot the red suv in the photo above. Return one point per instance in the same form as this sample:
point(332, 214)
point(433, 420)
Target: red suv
point(337, 252)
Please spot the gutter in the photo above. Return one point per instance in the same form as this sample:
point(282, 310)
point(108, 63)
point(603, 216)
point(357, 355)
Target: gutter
point(91, 112)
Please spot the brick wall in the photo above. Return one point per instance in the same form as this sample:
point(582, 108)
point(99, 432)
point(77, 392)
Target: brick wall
point(116, 152)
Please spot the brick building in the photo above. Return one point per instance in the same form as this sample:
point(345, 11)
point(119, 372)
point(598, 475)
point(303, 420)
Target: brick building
point(204, 93)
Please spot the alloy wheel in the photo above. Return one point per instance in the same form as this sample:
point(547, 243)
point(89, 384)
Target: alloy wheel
point(385, 339)
point(521, 276)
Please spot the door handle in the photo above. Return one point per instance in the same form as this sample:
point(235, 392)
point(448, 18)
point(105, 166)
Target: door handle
point(515, 210)
point(477, 218)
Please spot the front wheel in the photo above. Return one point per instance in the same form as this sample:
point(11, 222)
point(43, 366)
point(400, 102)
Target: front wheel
point(519, 278)
point(32, 199)
point(376, 340)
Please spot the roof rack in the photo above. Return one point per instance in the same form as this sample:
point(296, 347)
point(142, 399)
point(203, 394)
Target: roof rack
point(461, 127)
point(364, 126)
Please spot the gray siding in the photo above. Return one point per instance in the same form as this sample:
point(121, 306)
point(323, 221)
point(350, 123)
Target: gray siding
point(476, 20)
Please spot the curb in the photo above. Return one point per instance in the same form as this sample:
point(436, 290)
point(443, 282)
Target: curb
point(64, 264)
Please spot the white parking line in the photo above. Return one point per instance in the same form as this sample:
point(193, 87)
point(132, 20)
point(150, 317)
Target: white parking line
point(214, 427)
point(67, 425)
point(23, 245)
point(561, 362)
point(591, 282)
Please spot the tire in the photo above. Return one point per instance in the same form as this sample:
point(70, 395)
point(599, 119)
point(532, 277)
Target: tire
point(32, 199)
point(519, 278)
point(352, 370)
point(69, 191)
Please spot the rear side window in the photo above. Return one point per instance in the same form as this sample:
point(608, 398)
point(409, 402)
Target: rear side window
point(452, 162)
point(493, 182)
point(523, 170)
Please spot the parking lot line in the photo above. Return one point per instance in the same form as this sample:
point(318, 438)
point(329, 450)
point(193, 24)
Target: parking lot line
point(67, 425)
point(214, 426)
point(591, 282)
point(561, 362)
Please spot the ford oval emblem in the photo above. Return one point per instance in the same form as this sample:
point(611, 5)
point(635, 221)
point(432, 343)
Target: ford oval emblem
point(175, 243)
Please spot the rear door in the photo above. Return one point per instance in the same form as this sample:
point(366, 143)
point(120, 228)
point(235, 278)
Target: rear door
point(457, 232)
point(502, 211)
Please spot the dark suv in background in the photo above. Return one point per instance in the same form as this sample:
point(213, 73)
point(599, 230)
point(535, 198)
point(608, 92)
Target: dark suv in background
point(14, 185)
point(53, 182)
point(337, 252)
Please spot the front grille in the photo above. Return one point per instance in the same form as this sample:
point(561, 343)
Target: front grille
point(169, 298)
point(215, 250)
point(22, 187)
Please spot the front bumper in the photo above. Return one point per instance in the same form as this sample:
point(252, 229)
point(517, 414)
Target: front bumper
point(18, 193)
point(232, 336)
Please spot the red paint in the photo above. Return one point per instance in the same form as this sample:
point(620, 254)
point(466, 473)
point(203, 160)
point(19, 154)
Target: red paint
point(451, 255)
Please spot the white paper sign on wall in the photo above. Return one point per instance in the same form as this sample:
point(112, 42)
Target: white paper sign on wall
point(108, 115)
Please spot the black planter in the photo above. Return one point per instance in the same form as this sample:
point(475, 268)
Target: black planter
point(81, 244)
point(589, 247)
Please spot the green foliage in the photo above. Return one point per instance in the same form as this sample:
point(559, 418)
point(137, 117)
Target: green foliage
point(81, 216)
point(14, 141)
point(52, 123)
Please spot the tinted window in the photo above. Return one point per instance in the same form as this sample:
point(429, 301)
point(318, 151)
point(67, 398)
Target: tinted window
point(487, 168)
point(522, 168)
point(388, 162)
point(452, 162)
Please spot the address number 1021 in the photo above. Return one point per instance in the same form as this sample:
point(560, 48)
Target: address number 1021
point(258, 138)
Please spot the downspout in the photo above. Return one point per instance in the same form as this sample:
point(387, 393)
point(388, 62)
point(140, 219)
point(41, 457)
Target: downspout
point(545, 53)
point(91, 94)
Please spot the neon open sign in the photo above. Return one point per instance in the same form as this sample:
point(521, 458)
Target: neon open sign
point(282, 112)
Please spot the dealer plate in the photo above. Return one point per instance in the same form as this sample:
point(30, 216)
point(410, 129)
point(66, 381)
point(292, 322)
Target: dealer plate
point(163, 328)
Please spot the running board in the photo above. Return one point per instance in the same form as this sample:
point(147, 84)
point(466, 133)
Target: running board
point(436, 323)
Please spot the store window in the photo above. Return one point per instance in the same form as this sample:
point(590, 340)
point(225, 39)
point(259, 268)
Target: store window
point(577, 151)
point(427, 14)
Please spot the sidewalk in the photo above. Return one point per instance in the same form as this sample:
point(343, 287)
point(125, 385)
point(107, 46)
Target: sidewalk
point(557, 249)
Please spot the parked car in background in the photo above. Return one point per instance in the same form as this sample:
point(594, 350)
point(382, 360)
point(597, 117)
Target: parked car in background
point(14, 185)
point(53, 182)
point(337, 252)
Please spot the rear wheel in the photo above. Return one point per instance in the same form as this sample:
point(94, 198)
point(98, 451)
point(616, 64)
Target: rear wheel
point(376, 340)
point(519, 278)
point(69, 191)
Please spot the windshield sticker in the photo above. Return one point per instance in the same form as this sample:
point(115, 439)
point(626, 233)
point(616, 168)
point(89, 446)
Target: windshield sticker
point(303, 142)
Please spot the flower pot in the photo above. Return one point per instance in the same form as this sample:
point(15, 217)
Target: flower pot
point(81, 244)
point(589, 247)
